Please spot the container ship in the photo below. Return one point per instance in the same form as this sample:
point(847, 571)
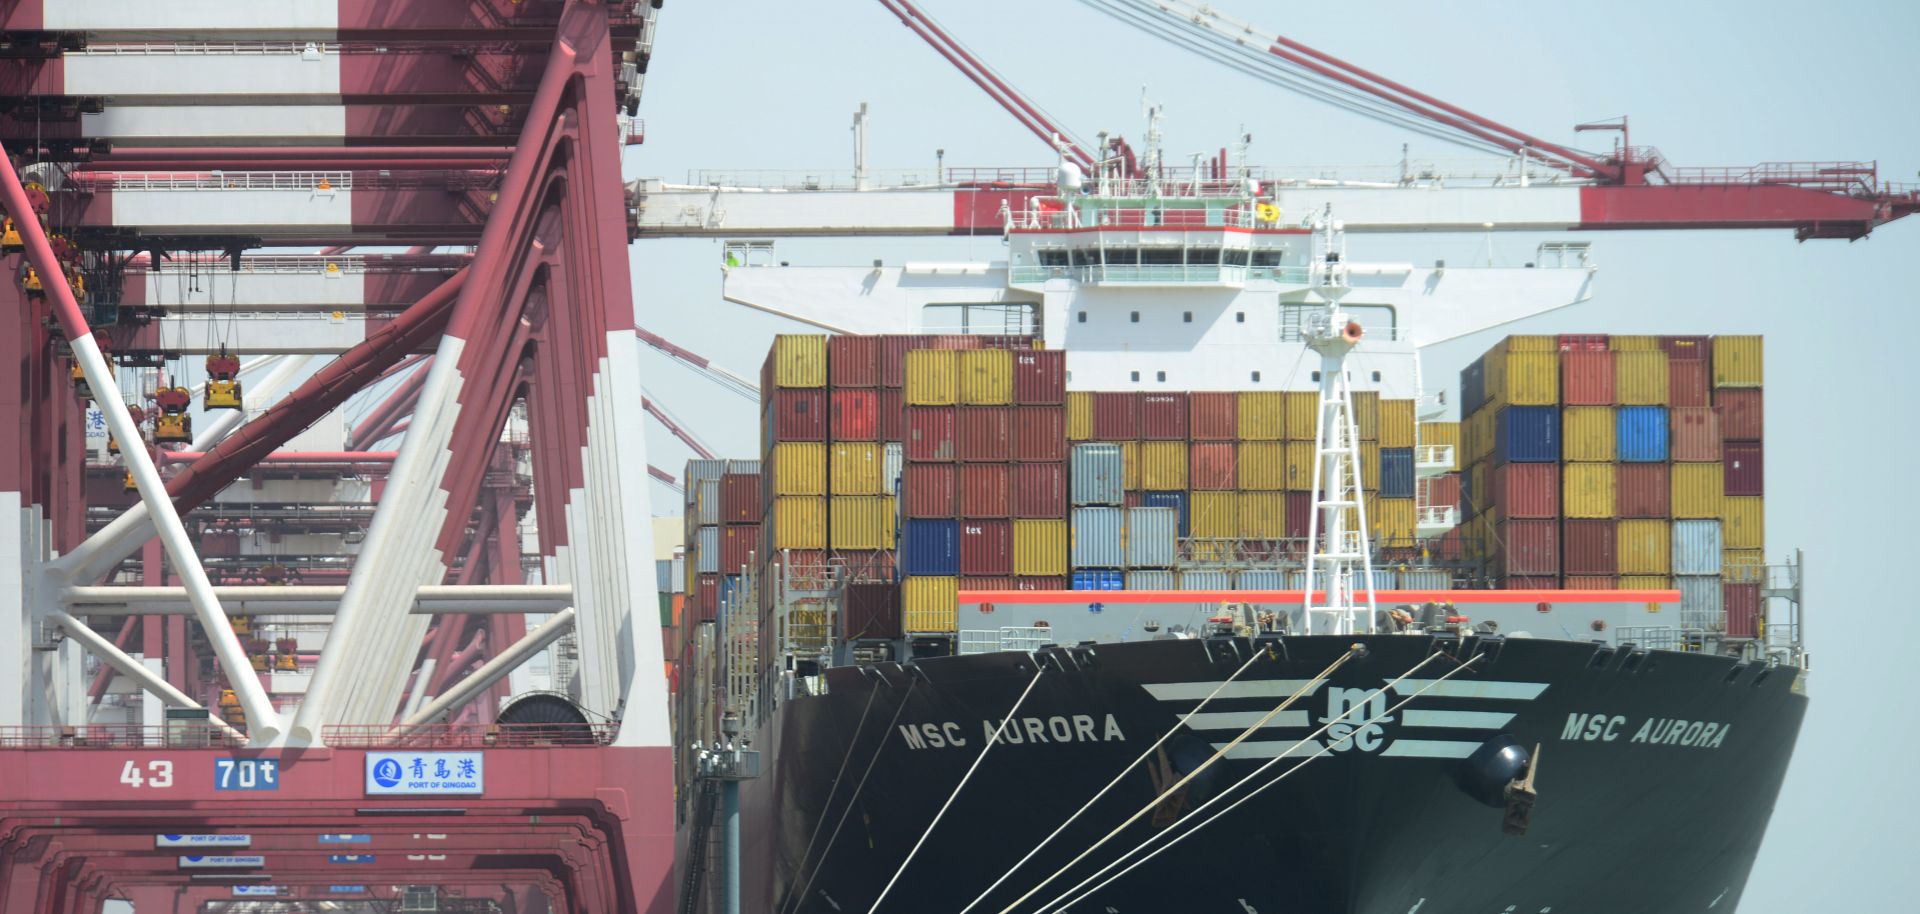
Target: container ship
point(1143, 571)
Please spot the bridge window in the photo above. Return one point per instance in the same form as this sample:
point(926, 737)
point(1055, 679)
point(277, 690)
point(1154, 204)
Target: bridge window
point(1203, 257)
point(1235, 258)
point(1053, 257)
point(1267, 258)
point(1163, 257)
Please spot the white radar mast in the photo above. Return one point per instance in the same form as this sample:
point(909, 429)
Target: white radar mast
point(1337, 529)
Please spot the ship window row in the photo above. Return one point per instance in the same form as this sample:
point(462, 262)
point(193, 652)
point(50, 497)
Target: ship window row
point(1159, 256)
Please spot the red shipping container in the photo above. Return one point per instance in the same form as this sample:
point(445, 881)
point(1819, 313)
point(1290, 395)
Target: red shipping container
point(983, 433)
point(893, 357)
point(1038, 491)
point(1592, 582)
point(1696, 433)
point(853, 361)
point(1040, 433)
point(1742, 413)
point(1524, 490)
point(1583, 342)
point(1003, 582)
point(983, 491)
point(1116, 416)
point(956, 341)
point(1527, 547)
point(1039, 583)
point(986, 546)
point(708, 598)
point(927, 490)
point(740, 498)
point(1745, 469)
point(1586, 378)
point(1040, 377)
point(1641, 489)
point(1163, 417)
point(893, 413)
point(1299, 514)
point(872, 611)
point(1210, 466)
point(1687, 383)
point(865, 564)
point(1440, 491)
point(1530, 582)
point(798, 415)
point(856, 414)
point(1687, 348)
point(1213, 416)
point(929, 433)
point(1133, 499)
point(1589, 547)
point(1742, 605)
point(739, 547)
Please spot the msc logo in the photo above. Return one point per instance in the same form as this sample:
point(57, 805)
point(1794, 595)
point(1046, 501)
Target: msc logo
point(1356, 719)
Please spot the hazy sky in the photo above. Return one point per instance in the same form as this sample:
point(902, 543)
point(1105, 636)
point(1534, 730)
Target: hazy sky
point(763, 84)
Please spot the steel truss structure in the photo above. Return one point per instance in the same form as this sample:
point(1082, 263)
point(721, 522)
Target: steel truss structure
point(154, 149)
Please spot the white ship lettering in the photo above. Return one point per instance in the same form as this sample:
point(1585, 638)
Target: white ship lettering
point(1655, 731)
point(1078, 728)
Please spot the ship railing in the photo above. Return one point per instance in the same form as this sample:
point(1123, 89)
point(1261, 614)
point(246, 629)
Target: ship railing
point(1010, 638)
point(468, 736)
point(1170, 274)
point(1438, 458)
point(816, 180)
point(1042, 218)
point(207, 48)
point(318, 183)
point(1835, 176)
point(1439, 516)
point(178, 735)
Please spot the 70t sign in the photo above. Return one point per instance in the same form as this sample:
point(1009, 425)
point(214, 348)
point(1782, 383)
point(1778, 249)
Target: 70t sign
point(228, 774)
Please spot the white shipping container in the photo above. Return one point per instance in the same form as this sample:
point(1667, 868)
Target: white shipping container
point(1700, 601)
point(1696, 547)
point(1425, 579)
point(1153, 537)
point(1097, 474)
point(708, 505)
point(1261, 579)
point(707, 550)
point(1149, 580)
point(1205, 580)
point(1098, 535)
point(892, 463)
point(699, 471)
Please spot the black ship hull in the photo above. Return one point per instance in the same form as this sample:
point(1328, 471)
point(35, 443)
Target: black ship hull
point(1656, 775)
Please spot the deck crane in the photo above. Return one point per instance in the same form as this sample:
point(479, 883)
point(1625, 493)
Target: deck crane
point(1553, 188)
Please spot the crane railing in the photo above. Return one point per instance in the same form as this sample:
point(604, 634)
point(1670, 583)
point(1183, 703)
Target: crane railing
point(1838, 176)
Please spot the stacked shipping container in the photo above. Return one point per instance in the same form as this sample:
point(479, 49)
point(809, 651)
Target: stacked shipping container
point(1625, 461)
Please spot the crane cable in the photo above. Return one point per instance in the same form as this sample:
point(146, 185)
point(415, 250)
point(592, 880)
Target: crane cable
point(1323, 750)
point(992, 741)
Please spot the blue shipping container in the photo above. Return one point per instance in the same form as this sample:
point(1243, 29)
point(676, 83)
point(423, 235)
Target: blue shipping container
point(1396, 472)
point(1099, 580)
point(1527, 434)
point(1098, 539)
point(729, 587)
point(930, 547)
point(1640, 434)
point(1175, 500)
point(1097, 474)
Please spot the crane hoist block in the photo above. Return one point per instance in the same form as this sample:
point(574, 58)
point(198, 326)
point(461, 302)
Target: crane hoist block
point(31, 283)
point(285, 663)
point(173, 399)
point(10, 240)
point(241, 625)
point(127, 484)
point(259, 662)
point(173, 427)
point(223, 394)
point(223, 366)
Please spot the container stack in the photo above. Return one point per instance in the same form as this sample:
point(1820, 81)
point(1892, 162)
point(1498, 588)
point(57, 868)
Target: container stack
point(1648, 455)
point(863, 469)
point(701, 481)
point(794, 435)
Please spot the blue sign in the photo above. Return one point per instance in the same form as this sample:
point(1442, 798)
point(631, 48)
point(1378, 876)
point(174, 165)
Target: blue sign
point(246, 774)
point(346, 839)
point(255, 891)
point(346, 889)
point(426, 773)
point(349, 858)
point(202, 840)
point(222, 863)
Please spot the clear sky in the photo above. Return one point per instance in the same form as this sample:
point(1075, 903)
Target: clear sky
point(764, 84)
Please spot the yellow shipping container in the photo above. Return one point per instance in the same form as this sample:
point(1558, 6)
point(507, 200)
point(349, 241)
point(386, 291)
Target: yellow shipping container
point(1528, 343)
point(1220, 550)
point(857, 469)
point(1640, 377)
point(1484, 429)
point(1523, 378)
point(1396, 521)
point(1366, 414)
point(1370, 466)
point(1743, 522)
point(800, 360)
point(1261, 466)
point(1587, 490)
point(1263, 515)
point(799, 522)
point(1645, 582)
point(1737, 361)
point(1263, 415)
point(1645, 547)
point(1587, 433)
point(1079, 415)
point(933, 377)
point(1303, 414)
point(1478, 493)
point(861, 522)
point(1213, 515)
point(1163, 466)
point(1129, 465)
point(1396, 423)
point(1618, 343)
point(986, 377)
point(800, 468)
point(930, 604)
point(1744, 566)
point(1696, 490)
point(1040, 548)
point(1300, 466)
